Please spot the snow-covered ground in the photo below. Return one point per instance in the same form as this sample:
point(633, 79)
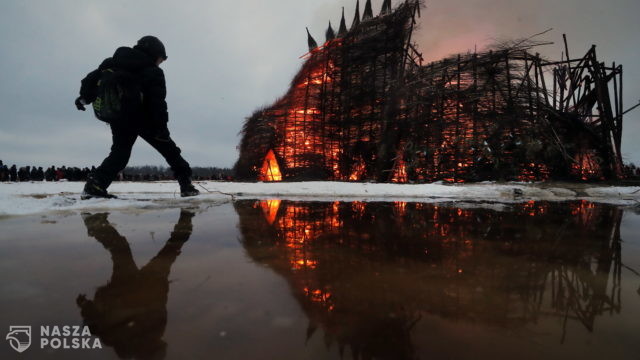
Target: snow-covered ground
point(39, 197)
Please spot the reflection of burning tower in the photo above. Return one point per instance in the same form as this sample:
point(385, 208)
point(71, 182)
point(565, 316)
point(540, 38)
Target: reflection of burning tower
point(364, 107)
point(351, 265)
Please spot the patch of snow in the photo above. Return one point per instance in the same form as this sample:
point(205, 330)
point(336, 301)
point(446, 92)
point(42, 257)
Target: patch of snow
point(38, 197)
point(561, 192)
point(630, 192)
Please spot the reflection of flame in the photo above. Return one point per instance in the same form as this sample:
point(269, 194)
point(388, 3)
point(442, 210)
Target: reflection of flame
point(584, 210)
point(270, 170)
point(270, 209)
point(400, 208)
point(359, 207)
point(533, 208)
point(319, 296)
point(304, 263)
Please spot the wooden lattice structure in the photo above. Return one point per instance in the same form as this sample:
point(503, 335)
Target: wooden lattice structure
point(364, 107)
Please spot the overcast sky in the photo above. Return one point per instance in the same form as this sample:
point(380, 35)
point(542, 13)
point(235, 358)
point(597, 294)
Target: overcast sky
point(229, 57)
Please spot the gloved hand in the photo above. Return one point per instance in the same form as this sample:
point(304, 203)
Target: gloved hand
point(80, 103)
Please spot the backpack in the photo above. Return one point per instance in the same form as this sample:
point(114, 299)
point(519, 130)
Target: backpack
point(118, 96)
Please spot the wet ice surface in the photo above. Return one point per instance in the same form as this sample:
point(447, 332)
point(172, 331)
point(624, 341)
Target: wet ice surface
point(314, 280)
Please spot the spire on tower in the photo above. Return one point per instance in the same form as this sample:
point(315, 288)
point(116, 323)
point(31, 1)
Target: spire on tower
point(343, 25)
point(330, 34)
point(356, 18)
point(311, 41)
point(386, 7)
point(368, 11)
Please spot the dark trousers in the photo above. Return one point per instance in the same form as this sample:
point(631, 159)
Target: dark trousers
point(123, 139)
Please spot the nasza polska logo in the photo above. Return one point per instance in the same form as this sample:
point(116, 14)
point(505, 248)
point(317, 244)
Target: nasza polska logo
point(54, 337)
point(19, 337)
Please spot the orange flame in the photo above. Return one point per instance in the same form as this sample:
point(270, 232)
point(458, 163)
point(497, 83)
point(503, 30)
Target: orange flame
point(270, 169)
point(400, 172)
point(358, 170)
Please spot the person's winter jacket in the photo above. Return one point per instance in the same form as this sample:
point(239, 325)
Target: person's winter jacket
point(151, 79)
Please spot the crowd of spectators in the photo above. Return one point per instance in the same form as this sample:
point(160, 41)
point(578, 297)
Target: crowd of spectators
point(35, 173)
point(158, 173)
point(632, 171)
point(137, 173)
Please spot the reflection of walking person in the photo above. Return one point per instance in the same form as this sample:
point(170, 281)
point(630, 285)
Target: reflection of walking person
point(129, 313)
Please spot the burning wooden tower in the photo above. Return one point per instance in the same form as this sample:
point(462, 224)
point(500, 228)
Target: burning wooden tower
point(364, 107)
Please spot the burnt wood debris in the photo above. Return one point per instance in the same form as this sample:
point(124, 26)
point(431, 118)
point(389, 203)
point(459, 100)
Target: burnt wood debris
point(364, 107)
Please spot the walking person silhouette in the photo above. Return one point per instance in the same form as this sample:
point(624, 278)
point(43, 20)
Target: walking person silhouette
point(142, 112)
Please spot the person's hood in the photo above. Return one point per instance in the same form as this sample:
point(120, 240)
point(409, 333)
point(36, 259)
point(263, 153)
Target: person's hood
point(130, 59)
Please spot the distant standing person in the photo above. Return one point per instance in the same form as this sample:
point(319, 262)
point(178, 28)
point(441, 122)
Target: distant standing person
point(149, 120)
point(13, 173)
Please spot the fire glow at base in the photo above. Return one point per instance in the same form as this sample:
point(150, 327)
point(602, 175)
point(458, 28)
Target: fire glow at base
point(364, 108)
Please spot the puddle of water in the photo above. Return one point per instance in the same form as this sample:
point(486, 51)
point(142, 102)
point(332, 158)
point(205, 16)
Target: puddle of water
point(316, 280)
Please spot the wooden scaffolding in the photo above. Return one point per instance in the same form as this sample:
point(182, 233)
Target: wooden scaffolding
point(364, 107)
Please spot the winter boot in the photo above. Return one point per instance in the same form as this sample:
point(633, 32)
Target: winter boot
point(186, 188)
point(93, 189)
